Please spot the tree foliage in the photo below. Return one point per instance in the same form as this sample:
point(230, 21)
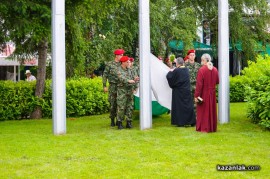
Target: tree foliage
point(27, 24)
point(247, 18)
point(95, 28)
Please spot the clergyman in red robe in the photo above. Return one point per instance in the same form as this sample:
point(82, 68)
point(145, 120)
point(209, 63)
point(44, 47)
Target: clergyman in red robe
point(205, 96)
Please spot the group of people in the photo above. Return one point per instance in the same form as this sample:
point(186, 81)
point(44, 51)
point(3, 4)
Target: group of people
point(194, 93)
point(123, 81)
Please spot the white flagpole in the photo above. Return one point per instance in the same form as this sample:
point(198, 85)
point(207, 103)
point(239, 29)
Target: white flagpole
point(223, 61)
point(59, 67)
point(144, 46)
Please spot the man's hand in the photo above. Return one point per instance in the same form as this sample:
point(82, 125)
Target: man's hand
point(131, 81)
point(136, 79)
point(105, 89)
point(135, 91)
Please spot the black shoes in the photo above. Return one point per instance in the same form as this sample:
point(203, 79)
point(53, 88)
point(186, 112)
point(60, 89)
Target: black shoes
point(120, 126)
point(129, 125)
point(192, 125)
point(112, 123)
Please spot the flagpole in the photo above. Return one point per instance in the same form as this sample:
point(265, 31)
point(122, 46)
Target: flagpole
point(59, 67)
point(145, 80)
point(223, 61)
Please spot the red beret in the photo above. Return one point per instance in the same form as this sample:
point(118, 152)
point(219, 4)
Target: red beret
point(186, 58)
point(191, 51)
point(131, 59)
point(119, 51)
point(124, 58)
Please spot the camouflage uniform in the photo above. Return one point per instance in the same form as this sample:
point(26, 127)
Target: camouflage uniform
point(136, 67)
point(110, 75)
point(193, 70)
point(134, 73)
point(124, 94)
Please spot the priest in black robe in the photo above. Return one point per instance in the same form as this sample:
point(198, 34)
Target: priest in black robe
point(182, 112)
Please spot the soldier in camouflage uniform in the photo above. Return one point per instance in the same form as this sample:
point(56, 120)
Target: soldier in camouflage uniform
point(125, 87)
point(134, 72)
point(111, 75)
point(193, 70)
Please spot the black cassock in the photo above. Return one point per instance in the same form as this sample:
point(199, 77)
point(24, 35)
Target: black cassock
point(182, 112)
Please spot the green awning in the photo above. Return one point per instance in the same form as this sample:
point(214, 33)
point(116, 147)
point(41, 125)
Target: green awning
point(268, 49)
point(259, 47)
point(201, 46)
point(179, 45)
point(176, 44)
point(238, 46)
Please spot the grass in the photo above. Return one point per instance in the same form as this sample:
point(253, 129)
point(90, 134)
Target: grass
point(92, 149)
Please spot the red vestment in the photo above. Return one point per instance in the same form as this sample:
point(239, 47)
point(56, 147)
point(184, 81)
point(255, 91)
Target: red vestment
point(206, 89)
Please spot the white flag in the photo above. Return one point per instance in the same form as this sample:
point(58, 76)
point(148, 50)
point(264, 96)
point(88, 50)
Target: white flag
point(161, 91)
point(159, 83)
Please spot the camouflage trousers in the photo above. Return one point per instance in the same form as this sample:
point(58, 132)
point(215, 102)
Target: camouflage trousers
point(113, 100)
point(124, 104)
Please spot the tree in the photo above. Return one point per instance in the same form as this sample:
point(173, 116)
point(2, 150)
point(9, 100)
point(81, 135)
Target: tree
point(89, 38)
point(95, 28)
point(170, 21)
point(247, 18)
point(27, 24)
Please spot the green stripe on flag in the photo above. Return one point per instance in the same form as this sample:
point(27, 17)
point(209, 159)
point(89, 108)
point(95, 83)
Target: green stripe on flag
point(157, 109)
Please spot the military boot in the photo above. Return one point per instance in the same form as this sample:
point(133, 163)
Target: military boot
point(129, 125)
point(112, 122)
point(120, 126)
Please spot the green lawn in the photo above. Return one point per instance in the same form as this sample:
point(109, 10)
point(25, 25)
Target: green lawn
point(92, 149)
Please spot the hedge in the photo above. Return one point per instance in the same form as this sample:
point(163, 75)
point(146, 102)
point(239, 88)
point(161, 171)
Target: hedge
point(257, 89)
point(86, 97)
point(83, 97)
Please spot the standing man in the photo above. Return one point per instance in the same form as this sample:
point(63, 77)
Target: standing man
point(205, 96)
point(110, 75)
point(182, 113)
point(125, 87)
point(193, 70)
point(134, 72)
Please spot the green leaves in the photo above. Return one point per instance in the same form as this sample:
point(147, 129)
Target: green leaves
point(25, 21)
point(257, 85)
point(83, 97)
point(236, 89)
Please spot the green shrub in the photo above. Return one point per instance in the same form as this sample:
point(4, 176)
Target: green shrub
point(16, 99)
point(86, 97)
point(237, 89)
point(83, 97)
point(257, 88)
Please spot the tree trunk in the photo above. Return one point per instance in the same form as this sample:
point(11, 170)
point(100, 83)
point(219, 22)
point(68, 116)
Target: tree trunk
point(41, 74)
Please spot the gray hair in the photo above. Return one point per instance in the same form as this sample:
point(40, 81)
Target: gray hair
point(206, 57)
point(180, 61)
